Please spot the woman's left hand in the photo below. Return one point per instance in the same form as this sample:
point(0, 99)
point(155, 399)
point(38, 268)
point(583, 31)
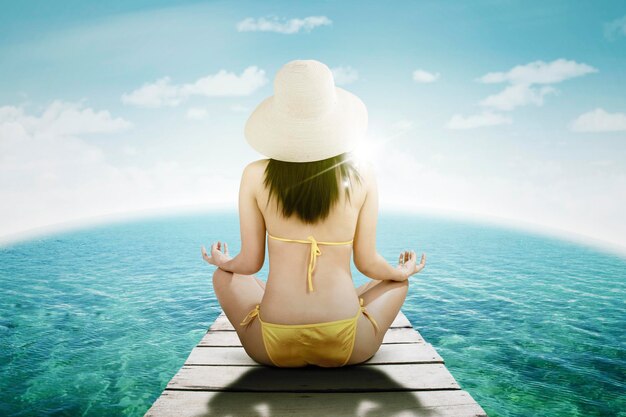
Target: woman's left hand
point(217, 257)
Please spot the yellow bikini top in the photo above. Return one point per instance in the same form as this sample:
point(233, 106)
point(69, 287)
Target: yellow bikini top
point(315, 251)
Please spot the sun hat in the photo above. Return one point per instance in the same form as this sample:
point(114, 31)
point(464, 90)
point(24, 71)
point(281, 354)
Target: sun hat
point(308, 118)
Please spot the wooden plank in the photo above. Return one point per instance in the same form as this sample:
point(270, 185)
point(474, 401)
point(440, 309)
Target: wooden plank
point(230, 338)
point(406, 376)
point(403, 335)
point(222, 323)
point(453, 403)
point(387, 377)
point(405, 353)
point(391, 353)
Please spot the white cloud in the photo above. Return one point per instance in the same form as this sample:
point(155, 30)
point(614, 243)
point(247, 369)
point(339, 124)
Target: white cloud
point(615, 28)
point(517, 95)
point(49, 174)
point(486, 118)
point(274, 24)
point(521, 78)
point(61, 118)
point(521, 90)
point(196, 113)
point(599, 120)
point(422, 76)
point(222, 84)
point(226, 83)
point(344, 75)
point(540, 72)
point(158, 94)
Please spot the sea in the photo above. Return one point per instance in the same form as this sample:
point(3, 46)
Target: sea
point(95, 321)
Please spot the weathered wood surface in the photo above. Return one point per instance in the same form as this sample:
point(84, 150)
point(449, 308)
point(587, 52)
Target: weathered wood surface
point(454, 403)
point(390, 377)
point(388, 353)
point(406, 376)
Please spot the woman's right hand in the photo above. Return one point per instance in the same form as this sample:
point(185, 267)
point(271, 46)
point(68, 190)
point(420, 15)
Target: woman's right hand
point(407, 263)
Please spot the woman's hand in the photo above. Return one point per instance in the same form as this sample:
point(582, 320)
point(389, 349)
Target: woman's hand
point(407, 263)
point(217, 257)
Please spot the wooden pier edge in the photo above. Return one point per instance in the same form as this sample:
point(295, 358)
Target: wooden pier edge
point(406, 376)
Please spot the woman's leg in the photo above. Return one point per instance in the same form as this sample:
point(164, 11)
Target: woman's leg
point(383, 301)
point(259, 281)
point(238, 295)
point(362, 288)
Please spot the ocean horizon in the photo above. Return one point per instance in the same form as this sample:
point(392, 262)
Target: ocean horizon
point(97, 320)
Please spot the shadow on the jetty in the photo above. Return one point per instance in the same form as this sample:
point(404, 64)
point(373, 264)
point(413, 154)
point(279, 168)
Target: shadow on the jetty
point(267, 391)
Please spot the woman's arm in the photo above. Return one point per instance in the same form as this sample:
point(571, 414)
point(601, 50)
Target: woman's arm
point(366, 258)
point(380, 269)
point(252, 256)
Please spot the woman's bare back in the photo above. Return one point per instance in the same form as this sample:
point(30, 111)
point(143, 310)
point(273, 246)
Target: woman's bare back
point(286, 298)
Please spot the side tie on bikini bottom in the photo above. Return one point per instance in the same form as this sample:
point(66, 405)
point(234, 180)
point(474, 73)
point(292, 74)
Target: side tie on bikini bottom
point(369, 316)
point(255, 313)
point(251, 315)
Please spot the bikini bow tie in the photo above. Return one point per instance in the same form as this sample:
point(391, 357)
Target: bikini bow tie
point(315, 252)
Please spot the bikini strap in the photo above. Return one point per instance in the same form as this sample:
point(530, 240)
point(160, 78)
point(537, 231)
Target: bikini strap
point(251, 315)
point(369, 316)
point(287, 240)
point(315, 252)
point(307, 241)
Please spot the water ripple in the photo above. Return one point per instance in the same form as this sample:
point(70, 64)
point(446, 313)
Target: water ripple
point(101, 319)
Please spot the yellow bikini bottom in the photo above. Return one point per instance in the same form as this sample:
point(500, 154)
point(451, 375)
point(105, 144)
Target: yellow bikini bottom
point(326, 344)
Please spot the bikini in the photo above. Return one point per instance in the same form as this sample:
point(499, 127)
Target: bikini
point(326, 344)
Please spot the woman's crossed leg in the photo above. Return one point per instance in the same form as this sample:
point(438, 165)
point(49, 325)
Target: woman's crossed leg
point(238, 295)
point(382, 300)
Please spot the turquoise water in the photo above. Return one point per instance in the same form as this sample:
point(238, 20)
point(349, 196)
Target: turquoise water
point(96, 322)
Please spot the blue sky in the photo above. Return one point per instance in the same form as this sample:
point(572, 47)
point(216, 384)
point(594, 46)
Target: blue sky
point(507, 111)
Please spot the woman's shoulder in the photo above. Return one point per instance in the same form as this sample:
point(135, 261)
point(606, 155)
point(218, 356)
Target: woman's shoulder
point(255, 168)
point(258, 164)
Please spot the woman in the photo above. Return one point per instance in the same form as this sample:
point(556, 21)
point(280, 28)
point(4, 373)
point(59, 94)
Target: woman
point(314, 201)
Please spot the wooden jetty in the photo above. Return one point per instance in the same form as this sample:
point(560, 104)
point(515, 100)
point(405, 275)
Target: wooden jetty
point(406, 377)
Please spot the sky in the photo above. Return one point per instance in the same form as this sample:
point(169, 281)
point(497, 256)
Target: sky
point(511, 112)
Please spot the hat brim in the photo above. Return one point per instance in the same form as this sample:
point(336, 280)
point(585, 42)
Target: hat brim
point(278, 136)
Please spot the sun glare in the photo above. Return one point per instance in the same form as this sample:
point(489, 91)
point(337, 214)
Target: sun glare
point(364, 152)
point(372, 149)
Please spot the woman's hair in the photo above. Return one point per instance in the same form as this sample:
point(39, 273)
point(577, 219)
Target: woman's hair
point(309, 189)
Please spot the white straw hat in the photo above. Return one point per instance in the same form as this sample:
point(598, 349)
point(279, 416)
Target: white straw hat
point(308, 118)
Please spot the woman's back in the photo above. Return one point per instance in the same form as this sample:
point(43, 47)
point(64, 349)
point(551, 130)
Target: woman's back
point(333, 296)
point(309, 311)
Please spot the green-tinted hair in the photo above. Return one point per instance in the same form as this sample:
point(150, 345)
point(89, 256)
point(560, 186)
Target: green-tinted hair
point(309, 189)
